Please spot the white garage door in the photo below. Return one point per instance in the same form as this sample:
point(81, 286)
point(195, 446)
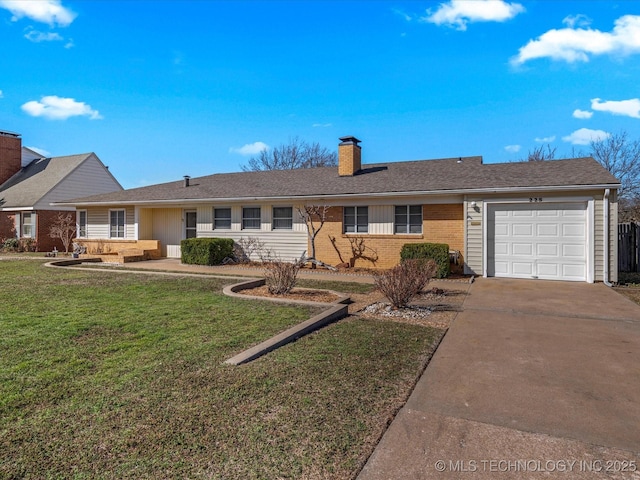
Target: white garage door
point(540, 240)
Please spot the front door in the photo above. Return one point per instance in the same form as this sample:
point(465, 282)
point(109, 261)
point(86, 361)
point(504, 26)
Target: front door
point(190, 224)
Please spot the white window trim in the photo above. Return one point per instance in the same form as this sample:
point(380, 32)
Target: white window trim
point(86, 224)
point(213, 223)
point(252, 218)
point(32, 224)
point(124, 225)
point(408, 219)
point(344, 224)
point(273, 217)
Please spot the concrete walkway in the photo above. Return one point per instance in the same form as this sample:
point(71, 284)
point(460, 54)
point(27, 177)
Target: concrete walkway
point(534, 379)
point(174, 265)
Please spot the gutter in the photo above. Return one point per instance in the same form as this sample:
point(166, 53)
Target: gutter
point(338, 196)
point(605, 273)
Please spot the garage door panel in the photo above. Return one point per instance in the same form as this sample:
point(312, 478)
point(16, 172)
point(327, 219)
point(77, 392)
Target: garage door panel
point(573, 230)
point(519, 249)
point(547, 241)
point(547, 249)
point(522, 230)
point(547, 230)
point(548, 270)
point(575, 250)
point(502, 229)
point(501, 248)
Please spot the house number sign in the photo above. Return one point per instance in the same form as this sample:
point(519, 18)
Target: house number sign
point(535, 199)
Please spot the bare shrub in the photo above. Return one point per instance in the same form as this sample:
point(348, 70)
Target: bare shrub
point(281, 276)
point(63, 228)
point(246, 248)
point(403, 282)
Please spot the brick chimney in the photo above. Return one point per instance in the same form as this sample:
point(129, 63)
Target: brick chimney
point(349, 156)
point(10, 155)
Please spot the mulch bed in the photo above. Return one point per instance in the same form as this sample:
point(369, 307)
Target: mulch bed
point(296, 294)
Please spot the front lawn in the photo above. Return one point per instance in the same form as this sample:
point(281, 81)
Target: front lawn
point(107, 375)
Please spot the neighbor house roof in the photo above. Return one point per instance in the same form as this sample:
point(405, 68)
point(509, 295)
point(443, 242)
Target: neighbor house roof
point(38, 178)
point(453, 175)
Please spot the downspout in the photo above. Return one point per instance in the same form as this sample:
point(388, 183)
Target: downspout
point(605, 280)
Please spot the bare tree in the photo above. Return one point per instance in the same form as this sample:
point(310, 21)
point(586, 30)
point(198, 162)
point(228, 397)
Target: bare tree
point(63, 228)
point(314, 217)
point(295, 154)
point(541, 153)
point(621, 157)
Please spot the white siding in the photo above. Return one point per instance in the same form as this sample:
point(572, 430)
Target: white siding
point(473, 240)
point(145, 224)
point(98, 222)
point(169, 230)
point(90, 178)
point(381, 219)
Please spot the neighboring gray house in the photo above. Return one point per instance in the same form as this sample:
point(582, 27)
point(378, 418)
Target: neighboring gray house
point(548, 220)
point(30, 182)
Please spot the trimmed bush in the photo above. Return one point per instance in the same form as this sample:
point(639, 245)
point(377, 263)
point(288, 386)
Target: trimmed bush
point(206, 251)
point(403, 282)
point(438, 252)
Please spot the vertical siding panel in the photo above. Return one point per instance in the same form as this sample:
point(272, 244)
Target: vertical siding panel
point(473, 247)
point(236, 218)
point(381, 219)
point(167, 227)
point(204, 218)
point(145, 229)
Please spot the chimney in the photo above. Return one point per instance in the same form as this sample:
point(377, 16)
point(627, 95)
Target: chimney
point(349, 156)
point(186, 180)
point(10, 155)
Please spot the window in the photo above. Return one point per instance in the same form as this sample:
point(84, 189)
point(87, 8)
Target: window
point(356, 219)
point(222, 218)
point(408, 219)
point(191, 224)
point(116, 223)
point(28, 220)
point(251, 218)
point(82, 223)
point(282, 218)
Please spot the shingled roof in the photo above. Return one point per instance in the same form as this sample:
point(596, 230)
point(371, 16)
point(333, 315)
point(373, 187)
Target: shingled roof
point(38, 178)
point(466, 174)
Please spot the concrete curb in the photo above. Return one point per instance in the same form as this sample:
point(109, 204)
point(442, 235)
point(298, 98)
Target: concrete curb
point(337, 310)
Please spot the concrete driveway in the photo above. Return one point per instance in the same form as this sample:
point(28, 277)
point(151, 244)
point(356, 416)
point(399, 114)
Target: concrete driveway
point(534, 379)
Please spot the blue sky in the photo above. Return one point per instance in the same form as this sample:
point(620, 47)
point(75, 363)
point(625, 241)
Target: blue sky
point(162, 89)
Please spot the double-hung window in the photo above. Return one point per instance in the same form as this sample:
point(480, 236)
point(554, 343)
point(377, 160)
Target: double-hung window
point(82, 223)
point(282, 218)
point(116, 223)
point(356, 219)
point(408, 219)
point(251, 218)
point(222, 218)
point(28, 228)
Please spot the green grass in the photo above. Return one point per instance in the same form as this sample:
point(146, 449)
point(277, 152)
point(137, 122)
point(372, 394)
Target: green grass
point(106, 375)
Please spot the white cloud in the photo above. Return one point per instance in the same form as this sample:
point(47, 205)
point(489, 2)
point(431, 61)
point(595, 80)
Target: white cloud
point(402, 14)
point(58, 108)
point(550, 139)
point(322, 125)
point(585, 136)
point(513, 148)
point(628, 108)
point(579, 20)
point(69, 44)
point(250, 148)
point(577, 44)
point(45, 11)
point(582, 114)
point(458, 13)
point(1, 94)
point(37, 37)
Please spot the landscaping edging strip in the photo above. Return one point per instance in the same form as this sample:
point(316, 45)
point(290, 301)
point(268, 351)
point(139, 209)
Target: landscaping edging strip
point(337, 310)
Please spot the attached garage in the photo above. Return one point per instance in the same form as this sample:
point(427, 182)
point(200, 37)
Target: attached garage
point(536, 239)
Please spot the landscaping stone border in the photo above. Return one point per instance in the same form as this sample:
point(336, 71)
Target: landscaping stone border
point(336, 311)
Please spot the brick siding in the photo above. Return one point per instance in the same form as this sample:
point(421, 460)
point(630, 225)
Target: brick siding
point(440, 224)
point(44, 220)
point(10, 156)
